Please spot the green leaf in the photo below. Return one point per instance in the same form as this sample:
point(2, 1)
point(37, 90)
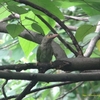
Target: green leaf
point(29, 18)
point(4, 1)
point(91, 7)
point(37, 28)
point(4, 53)
point(13, 6)
point(92, 0)
point(48, 5)
point(45, 93)
point(44, 26)
point(66, 3)
point(94, 19)
point(14, 29)
point(96, 6)
point(88, 37)
point(89, 10)
point(96, 53)
point(4, 13)
point(84, 0)
point(27, 46)
point(76, 0)
point(84, 30)
point(26, 22)
point(17, 53)
point(98, 45)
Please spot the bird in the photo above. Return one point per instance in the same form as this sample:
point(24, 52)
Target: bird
point(45, 51)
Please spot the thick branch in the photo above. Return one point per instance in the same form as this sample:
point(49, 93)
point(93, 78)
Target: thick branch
point(26, 90)
point(51, 77)
point(81, 64)
point(66, 64)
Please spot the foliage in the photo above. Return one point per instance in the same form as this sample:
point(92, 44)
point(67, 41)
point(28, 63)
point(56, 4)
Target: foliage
point(14, 49)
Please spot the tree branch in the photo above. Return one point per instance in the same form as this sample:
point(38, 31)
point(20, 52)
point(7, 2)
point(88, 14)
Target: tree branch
point(37, 38)
point(73, 28)
point(93, 42)
point(94, 76)
point(12, 16)
point(59, 37)
point(26, 90)
point(57, 20)
point(66, 64)
point(70, 91)
point(3, 89)
point(38, 89)
point(91, 46)
point(86, 19)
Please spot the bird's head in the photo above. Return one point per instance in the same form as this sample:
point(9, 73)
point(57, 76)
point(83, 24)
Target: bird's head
point(48, 38)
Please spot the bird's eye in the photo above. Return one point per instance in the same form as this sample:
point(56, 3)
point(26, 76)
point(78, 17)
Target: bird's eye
point(50, 34)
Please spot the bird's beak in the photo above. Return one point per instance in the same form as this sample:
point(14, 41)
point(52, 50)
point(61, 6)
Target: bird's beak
point(54, 35)
point(51, 36)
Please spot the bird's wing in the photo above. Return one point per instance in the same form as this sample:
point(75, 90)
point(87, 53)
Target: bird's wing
point(38, 53)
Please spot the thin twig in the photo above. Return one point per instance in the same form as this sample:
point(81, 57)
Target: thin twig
point(42, 88)
point(12, 16)
point(20, 22)
point(9, 45)
point(3, 89)
point(86, 19)
point(51, 86)
point(70, 91)
point(91, 46)
point(93, 42)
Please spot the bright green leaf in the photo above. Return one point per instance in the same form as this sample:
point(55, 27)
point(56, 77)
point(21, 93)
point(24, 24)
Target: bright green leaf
point(84, 30)
point(44, 26)
point(25, 19)
point(14, 29)
point(4, 13)
point(27, 46)
point(98, 45)
point(29, 18)
point(96, 53)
